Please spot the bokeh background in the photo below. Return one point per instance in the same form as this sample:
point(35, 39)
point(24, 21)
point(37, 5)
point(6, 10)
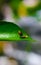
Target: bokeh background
point(27, 15)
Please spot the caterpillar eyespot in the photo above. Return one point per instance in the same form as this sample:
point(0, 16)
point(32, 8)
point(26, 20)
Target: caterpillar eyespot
point(24, 36)
point(20, 33)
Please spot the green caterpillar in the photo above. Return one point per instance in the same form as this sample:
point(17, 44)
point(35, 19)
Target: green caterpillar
point(10, 31)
